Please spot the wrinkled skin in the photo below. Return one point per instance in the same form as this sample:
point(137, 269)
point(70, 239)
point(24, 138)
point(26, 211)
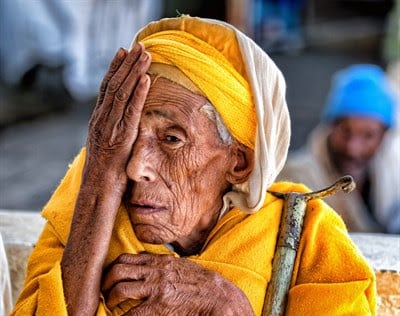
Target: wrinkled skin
point(177, 160)
point(150, 146)
point(171, 286)
point(352, 143)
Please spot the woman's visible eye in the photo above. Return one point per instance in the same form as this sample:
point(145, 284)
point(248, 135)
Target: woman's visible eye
point(172, 139)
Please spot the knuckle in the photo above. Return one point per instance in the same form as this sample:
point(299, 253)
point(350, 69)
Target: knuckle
point(130, 59)
point(114, 65)
point(140, 68)
point(106, 79)
point(120, 290)
point(121, 95)
point(114, 84)
point(130, 111)
point(123, 258)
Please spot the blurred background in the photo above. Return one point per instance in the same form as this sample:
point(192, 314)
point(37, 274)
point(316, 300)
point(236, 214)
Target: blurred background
point(53, 55)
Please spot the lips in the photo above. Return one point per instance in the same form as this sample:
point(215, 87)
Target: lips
point(146, 207)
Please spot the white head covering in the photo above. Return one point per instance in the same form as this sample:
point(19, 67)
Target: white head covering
point(273, 130)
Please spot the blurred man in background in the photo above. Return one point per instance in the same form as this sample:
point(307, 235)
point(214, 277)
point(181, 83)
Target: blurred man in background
point(359, 112)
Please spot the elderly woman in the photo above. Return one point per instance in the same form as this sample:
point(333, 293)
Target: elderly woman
point(166, 211)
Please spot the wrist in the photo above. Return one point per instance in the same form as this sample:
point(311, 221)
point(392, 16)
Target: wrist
point(103, 180)
point(234, 301)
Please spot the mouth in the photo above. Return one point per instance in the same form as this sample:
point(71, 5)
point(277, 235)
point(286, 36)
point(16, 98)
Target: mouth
point(352, 162)
point(145, 207)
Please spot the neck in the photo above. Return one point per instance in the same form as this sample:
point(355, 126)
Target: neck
point(360, 180)
point(193, 244)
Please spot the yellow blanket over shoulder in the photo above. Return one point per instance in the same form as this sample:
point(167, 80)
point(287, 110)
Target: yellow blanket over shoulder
point(331, 276)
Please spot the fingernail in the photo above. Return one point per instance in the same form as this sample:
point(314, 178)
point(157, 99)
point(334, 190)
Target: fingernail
point(145, 56)
point(120, 52)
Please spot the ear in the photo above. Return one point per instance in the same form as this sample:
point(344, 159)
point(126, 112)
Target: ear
point(241, 165)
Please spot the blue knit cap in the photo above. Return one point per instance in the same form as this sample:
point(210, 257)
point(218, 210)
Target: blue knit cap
point(360, 90)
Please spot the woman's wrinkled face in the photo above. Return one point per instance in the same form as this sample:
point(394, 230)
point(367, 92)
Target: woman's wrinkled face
point(177, 170)
point(353, 142)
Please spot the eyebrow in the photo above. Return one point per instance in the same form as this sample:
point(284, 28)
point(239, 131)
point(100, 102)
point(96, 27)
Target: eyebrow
point(169, 116)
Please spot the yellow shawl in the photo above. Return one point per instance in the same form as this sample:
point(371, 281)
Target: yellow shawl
point(330, 278)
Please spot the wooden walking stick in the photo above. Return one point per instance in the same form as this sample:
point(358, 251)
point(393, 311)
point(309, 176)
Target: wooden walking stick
point(294, 208)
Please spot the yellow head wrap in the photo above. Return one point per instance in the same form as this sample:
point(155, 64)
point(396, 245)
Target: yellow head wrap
point(212, 73)
point(242, 83)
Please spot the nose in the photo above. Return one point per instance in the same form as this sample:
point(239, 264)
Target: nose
point(355, 147)
point(140, 166)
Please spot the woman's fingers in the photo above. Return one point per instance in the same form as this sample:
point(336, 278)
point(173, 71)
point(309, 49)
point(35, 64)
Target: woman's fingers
point(130, 290)
point(134, 108)
point(166, 284)
point(129, 86)
point(124, 272)
point(116, 117)
point(129, 101)
point(114, 65)
point(130, 64)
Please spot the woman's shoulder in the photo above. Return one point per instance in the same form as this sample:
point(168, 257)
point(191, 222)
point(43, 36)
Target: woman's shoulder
point(59, 209)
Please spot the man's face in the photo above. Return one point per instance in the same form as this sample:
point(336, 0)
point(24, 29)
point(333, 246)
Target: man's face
point(177, 168)
point(353, 142)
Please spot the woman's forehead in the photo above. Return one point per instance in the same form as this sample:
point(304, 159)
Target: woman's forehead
point(165, 92)
point(360, 122)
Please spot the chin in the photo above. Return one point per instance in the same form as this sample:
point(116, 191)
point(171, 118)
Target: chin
point(352, 168)
point(148, 234)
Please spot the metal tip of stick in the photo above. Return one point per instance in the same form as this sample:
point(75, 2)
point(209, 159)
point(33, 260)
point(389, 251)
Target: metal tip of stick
point(347, 183)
